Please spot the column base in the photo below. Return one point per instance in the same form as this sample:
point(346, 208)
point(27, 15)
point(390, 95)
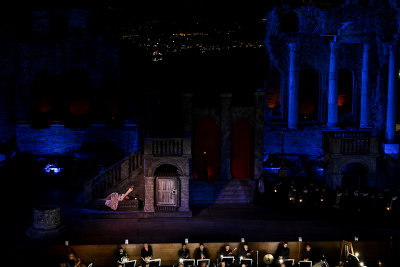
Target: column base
point(332, 126)
point(365, 126)
point(390, 148)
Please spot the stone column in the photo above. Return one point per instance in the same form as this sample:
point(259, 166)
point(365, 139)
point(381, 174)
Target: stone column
point(259, 132)
point(187, 106)
point(226, 125)
point(149, 194)
point(184, 193)
point(293, 108)
point(391, 97)
point(364, 114)
point(333, 87)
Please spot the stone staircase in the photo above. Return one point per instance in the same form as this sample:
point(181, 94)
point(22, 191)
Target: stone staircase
point(203, 193)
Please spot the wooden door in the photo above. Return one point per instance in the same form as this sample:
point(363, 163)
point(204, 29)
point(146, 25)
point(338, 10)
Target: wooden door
point(167, 191)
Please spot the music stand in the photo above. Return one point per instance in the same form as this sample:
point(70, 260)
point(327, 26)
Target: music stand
point(188, 262)
point(155, 263)
point(246, 261)
point(131, 263)
point(305, 263)
point(228, 259)
point(203, 260)
point(288, 262)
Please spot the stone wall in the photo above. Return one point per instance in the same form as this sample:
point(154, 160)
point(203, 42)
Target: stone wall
point(306, 141)
point(57, 140)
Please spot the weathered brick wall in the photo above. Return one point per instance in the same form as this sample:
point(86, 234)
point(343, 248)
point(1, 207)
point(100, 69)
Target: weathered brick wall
point(57, 140)
point(307, 141)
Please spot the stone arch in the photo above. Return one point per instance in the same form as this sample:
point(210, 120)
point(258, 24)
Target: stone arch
point(289, 22)
point(166, 170)
point(180, 164)
point(309, 94)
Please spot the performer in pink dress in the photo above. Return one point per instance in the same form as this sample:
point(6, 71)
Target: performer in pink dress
point(113, 198)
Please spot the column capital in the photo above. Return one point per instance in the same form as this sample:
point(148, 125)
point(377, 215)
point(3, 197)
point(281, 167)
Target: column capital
point(392, 49)
point(366, 47)
point(293, 46)
point(389, 48)
point(334, 45)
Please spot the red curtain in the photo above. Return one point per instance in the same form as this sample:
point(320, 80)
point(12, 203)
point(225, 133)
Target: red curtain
point(242, 151)
point(206, 149)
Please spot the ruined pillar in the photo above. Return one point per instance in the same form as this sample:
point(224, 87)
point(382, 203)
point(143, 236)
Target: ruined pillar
point(293, 108)
point(226, 125)
point(364, 114)
point(390, 131)
point(333, 87)
point(259, 104)
point(391, 97)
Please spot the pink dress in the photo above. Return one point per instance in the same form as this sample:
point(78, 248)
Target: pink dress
point(115, 198)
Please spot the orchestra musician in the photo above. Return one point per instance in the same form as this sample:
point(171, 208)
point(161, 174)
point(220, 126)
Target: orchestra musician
point(122, 257)
point(183, 253)
point(72, 261)
point(246, 253)
point(283, 252)
point(146, 254)
point(307, 253)
point(202, 253)
point(227, 251)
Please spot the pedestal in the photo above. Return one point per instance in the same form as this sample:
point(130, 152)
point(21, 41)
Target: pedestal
point(46, 223)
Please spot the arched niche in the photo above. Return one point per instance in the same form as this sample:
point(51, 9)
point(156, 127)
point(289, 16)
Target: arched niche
point(345, 92)
point(242, 149)
point(273, 94)
point(206, 149)
point(308, 95)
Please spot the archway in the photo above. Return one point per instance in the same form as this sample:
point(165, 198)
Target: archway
point(206, 149)
point(354, 176)
point(345, 92)
point(308, 95)
point(242, 149)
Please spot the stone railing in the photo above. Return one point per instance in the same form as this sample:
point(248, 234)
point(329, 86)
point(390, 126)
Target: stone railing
point(99, 186)
point(166, 146)
point(349, 142)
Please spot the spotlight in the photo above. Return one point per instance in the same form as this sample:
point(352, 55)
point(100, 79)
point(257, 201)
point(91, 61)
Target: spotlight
point(280, 261)
point(126, 241)
point(361, 263)
point(300, 200)
point(357, 254)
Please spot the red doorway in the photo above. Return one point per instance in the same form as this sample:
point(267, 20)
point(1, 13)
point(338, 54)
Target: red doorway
point(206, 149)
point(242, 151)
